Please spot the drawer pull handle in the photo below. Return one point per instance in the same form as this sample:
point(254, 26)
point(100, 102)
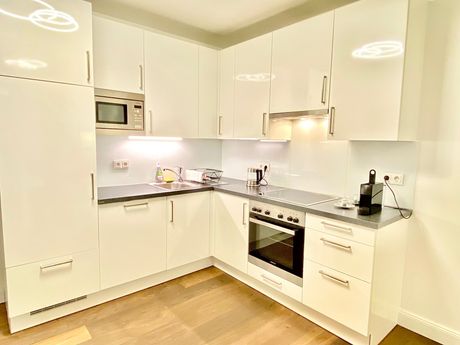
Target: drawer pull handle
point(271, 281)
point(336, 245)
point(335, 279)
point(67, 262)
point(127, 206)
point(338, 227)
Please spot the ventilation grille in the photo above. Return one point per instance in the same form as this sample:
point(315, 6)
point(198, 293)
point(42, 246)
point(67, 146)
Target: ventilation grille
point(38, 311)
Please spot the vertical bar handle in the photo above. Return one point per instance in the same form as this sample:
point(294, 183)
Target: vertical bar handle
point(245, 222)
point(93, 188)
point(88, 66)
point(324, 90)
point(141, 72)
point(171, 220)
point(264, 124)
point(220, 125)
point(332, 121)
point(151, 121)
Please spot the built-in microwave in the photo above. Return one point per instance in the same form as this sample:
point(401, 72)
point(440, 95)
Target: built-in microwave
point(119, 110)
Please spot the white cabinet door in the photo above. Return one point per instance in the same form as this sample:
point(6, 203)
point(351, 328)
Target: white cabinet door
point(188, 228)
point(252, 87)
point(48, 161)
point(231, 219)
point(38, 51)
point(171, 78)
point(132, 240)
point(207, 93)
point(226, 93)
point(118, 56)
point(367, 70)
point(301, 65)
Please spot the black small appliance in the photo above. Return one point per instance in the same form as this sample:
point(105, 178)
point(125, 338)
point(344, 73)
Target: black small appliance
point(371, 196)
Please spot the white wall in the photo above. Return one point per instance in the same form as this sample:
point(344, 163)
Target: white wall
point(143, 156)
point(431, 297)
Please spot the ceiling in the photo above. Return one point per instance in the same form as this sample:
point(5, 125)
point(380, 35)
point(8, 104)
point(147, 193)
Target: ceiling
point(214, 16)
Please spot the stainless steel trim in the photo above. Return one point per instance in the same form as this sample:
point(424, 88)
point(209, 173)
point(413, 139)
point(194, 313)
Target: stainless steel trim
point(66, 262)
point(141, 70)
point(338, 227)
point(335, 244)
point(151, 121)
point(88, 66)
point(244, 214)
point(276, 270)
point(264, 124)
point(271, 281)
point(136, 205)
point(93, 187)
point(334, 279)
point(220, 125)
point(293, 115)
point(171, 220)
point(272, 226)
point(119, 94)
point(324, 90)
point(332, 121)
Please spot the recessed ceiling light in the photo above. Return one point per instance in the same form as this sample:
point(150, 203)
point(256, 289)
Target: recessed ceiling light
point(379, 50)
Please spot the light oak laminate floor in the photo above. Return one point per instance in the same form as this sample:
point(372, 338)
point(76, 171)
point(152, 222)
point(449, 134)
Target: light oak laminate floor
point(205, 307)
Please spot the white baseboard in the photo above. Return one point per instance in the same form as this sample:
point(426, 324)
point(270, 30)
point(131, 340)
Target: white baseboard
point(428, 328)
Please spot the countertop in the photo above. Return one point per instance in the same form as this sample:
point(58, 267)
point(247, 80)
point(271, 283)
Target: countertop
point(276, 195)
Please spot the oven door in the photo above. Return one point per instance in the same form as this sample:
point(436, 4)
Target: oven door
point(277, 246)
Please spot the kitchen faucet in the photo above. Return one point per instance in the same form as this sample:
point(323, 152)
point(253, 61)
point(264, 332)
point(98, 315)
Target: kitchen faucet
point(178, 174)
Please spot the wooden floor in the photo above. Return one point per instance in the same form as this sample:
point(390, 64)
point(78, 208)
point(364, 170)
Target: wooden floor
point(206, 307)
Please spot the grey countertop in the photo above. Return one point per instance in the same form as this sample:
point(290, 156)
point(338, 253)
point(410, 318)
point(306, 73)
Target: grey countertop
point(318, 204)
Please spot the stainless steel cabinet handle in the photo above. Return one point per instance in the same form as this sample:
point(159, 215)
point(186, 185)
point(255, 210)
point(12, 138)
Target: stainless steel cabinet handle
point(335, 279)
point(151, 121)
point(332, 121)
point(264, 124)
point(324, 90)
point(244, 214)
point(57, 264)
point(141, 71)
point(127, 206)
point(271, 281)
point(338, 227)
point(220, 125)
point(93, 188)
point(88, 66)
point(335, 244)
point(171, 220)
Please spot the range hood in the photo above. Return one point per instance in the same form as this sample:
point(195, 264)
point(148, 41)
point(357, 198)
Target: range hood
point(295, 115)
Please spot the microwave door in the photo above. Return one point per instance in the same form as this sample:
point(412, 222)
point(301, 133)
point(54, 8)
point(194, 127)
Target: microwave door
point(111, 115)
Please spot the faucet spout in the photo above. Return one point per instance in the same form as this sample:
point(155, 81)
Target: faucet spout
point(178, 174)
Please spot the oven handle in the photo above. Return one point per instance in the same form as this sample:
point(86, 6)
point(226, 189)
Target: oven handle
point(272, 226)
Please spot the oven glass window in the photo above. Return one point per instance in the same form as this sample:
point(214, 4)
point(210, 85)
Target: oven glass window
point(111, 113)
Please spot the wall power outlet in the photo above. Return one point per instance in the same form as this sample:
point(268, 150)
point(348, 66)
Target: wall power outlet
point(395, 179)
point(120, 164)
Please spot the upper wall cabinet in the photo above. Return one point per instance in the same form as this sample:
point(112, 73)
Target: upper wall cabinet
point(376, 70)
point(252, 87)
point(207, 107)
point(56, 50)
point(301, 65)
point(118, 56)
point(172, 80)
point(226, 92)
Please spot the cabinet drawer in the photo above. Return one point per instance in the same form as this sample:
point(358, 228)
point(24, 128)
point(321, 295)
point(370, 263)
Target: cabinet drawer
point(338, 296)
point(353, 258)
point(275, 282)
point(41, 284)
point(341, 229)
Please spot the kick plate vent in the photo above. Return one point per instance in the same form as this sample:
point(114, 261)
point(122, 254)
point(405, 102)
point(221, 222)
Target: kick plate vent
point(38, 311)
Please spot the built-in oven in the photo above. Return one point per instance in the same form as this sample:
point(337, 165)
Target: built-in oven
point(276, 240)
point(119, 110)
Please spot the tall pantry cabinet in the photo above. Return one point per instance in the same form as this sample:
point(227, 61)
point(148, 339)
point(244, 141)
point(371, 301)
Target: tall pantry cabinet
point(47, 165)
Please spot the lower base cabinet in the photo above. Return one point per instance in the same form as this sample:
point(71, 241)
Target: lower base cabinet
point(132, 240)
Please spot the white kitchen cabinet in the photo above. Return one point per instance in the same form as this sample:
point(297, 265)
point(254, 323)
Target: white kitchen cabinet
point(118, 56)
point(132, 240)
point(171, 84)
point(301, 65)
point(231, 230)
point(375, 78)
point(38, 51)
point(188, 228)
point(47, 170)
point(252, 87)
point(207, 108)
point(226, 92)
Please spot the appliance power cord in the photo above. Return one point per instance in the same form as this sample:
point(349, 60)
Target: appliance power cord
point(385, 179)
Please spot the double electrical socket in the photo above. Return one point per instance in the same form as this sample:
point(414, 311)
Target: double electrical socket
point(121, 164)
point(395, 179)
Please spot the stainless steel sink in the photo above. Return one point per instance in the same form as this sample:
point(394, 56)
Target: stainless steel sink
point(176, 185)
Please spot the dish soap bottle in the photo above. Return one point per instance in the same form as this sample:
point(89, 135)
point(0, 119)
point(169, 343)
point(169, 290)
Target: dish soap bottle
point(159, 174)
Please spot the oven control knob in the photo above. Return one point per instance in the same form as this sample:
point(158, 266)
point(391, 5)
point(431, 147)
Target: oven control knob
point(254, 209)
point(259, 210)
point(289, 219)
point(295, 220)
point(280, 216)
point(267, 213)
